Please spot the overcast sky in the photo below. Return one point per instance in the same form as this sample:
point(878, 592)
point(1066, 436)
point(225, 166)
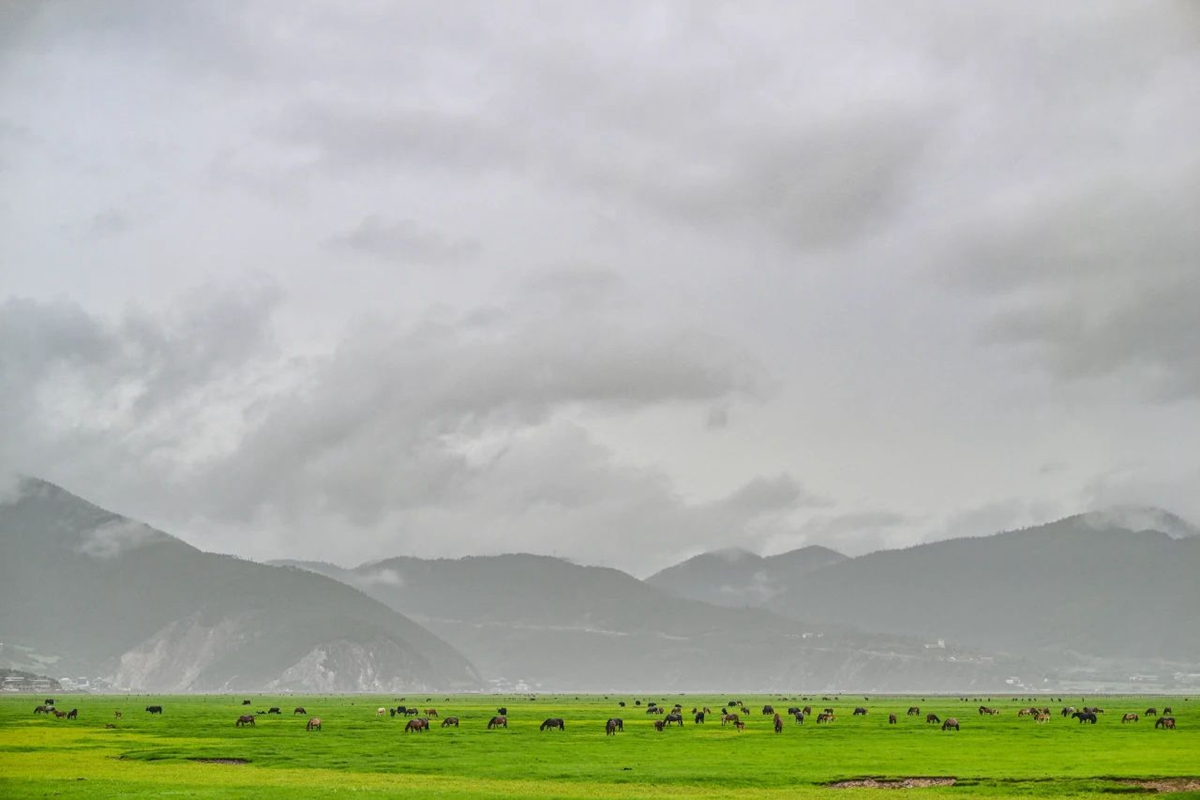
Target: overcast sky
point(615, 282)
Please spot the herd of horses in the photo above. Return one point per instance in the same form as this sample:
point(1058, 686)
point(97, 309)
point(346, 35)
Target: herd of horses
point(731, 714)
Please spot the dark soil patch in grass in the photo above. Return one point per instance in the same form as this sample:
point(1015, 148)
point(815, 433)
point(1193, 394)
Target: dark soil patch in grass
point(1164, 784)
point(220, 760)
point(892, 783)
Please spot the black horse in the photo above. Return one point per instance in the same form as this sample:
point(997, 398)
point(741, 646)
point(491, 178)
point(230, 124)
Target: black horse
point(612, 726)
point(1165, 722)
point(676, 718)
point(154, 709)
point(552, 723)
point(699, 718)
point(799, 717)
point(1085, 716)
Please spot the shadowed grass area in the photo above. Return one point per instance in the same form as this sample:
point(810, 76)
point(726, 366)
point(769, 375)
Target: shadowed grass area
point(361, 753)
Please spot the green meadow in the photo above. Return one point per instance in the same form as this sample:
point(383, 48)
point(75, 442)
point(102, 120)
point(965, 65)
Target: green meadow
point(195, 750)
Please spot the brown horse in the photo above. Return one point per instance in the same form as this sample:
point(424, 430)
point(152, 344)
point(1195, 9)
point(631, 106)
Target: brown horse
point(610, 728)
point(1151, 712)
point(659, 725)
point(891, 719)
point(1167, 723)
point(1167, 711)
point(1041, 716)
point(299, 710)
point(778, 724)
point(1129, 718)
point(244, 719)
point(734, 718)
point(824, 716)
point(807, 711)
point(417, 725)
point(41, 710)
point(931, 719)
point(951, 722)
point(450, 722)
point(741, 726)
point(73, 713)
point(914, 711)
point(57, 713)
point(768, 710)
point(314, 724)
point(553, 723)
point(498, 722)
point(675, 718)
point(431, 712)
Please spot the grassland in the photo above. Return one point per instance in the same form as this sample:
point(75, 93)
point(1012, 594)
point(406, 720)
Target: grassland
point(358, 753)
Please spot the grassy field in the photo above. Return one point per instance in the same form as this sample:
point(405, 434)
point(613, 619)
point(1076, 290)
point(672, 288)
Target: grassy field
point(358, 753)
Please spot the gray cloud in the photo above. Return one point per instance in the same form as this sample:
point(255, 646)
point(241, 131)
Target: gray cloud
point(404, 241)
point(117, 537)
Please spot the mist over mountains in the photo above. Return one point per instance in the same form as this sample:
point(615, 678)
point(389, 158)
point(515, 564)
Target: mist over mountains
point(1096, 597)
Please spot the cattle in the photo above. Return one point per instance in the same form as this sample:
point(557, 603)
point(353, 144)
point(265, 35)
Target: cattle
point(699, 718)
point(450, 722)
point(1085, 716)
point(154, 709)
point(932, 719)
point(554, 723)
point(914, 711)
point(244, 719)
point(417, 725)
point(498, 722)
point(1167, 723)
point(1129, 718)
point(951, 723)
point(73, 713)
point(274, 710)
point(778, 724)
point(891, 719)
point(860, 712)
point(299, 710)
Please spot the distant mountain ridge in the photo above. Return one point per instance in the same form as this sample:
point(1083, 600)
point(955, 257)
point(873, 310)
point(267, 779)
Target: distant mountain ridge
point(90, 592)
point(736, 577)
point(559, 626)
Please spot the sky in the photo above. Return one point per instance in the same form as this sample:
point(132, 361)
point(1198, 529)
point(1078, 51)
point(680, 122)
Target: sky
point(616, 282)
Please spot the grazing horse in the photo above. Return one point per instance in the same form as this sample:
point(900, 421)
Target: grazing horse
point(778, 724)
point(552, 723)
point(1167, 711)
point(658, 725)
point(824, 716)
point(431, 712)
point(699, 718)
point(299, 710)
point(1085, 716)
point(57, 713)
point(41, 710)
point(734, 718)
point(1151, 712)
point(116, 714)
point(1041, 716)
point(417, 725)
point(274, 710)
point(450, 722)
point(1068, 711)
point(1167, 723)
point(794, 710)
point(799, 717)
point(951, 722)
point(154, 709)
point(498, 722)
point(1094, 710)
point(314, 724)
point(73, 713)
point(412, 712)
point(244, 719)
point(860, 712)
point(741, 726)
point(621, 704)
point(245, 702)
point(829, 711)
point(931, 719)
point(807, 711)
point(610, 728)
point(1129, 718)
point(676, 718)
point(768, 710)
point(379, 712)
point(914, 711)
point(891, 719)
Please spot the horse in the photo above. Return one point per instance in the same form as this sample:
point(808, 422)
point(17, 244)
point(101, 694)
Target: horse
point(274, 710)
point(794, 710)
point(658, 724)
point(741, 726)
point(244, 719)
point(1041, 716)
point(1167, 711)
point(412, 712)
point(706, 710)
point(431, 712)
point(116, 714)
point(699, 718)
point(951, 722)
point(824, 716)
point(914, 711)
point(1095, 710)
point(498, 722)
point(73, 713)
point(416, 725)
point(807, 711)
point(610, 728)
point(799, 717)
point(379, 712)
point(552, 723)
point(1151, 712)
point(778, 724)
point(768, 710)
point(1129, 718)
point(57, 713)
point(49, 701)
point(41, 710)
point(245, 702)
point(1085, 716)
point(1025, 712)
point(621, 703)
point(931, 719)
point(891, 719)
point(829, 711)
point(1167, 723)
point(734, 718)
point(450, 722)
point(154, 709)
point(502, 711)
point(1068, 711)
point(314, 724)
point(860, 712)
